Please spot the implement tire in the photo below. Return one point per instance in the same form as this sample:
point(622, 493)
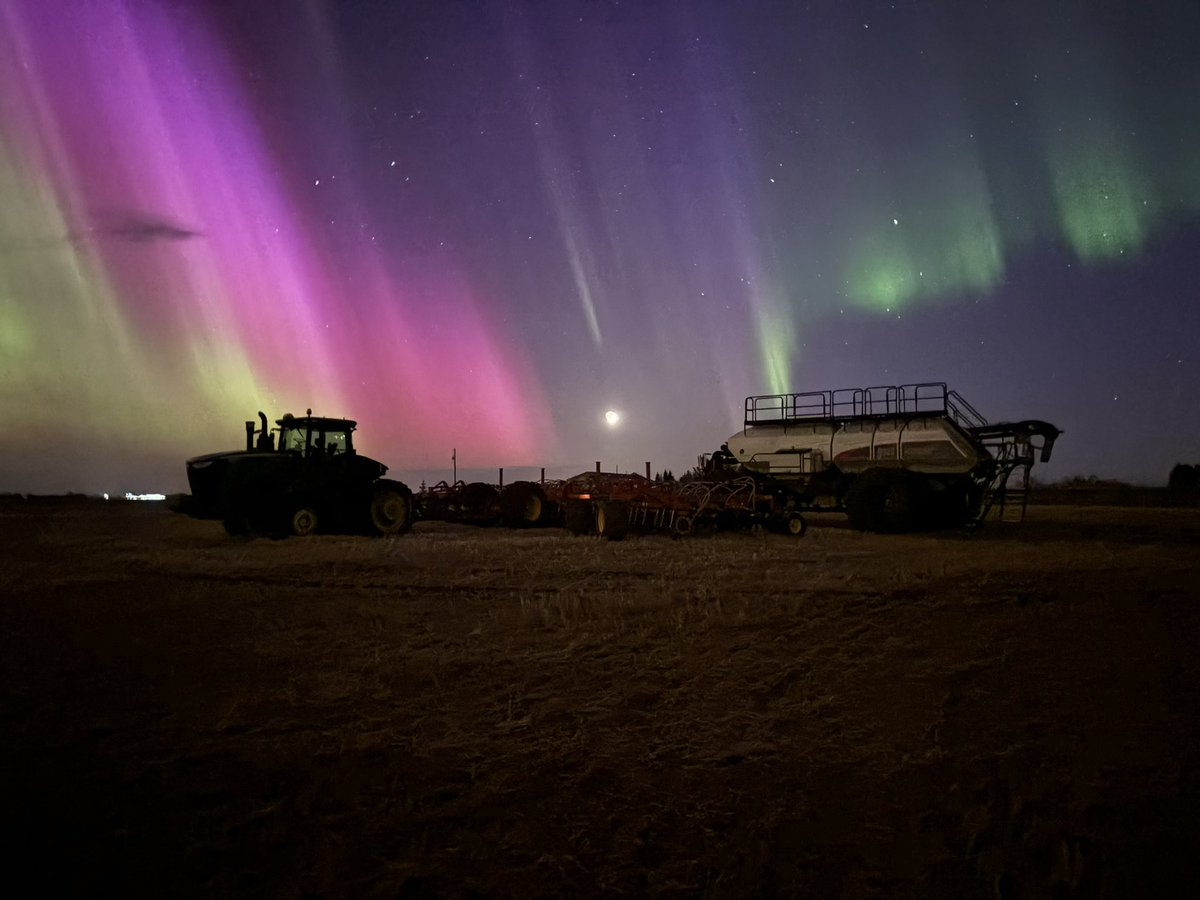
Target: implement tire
point(891, 501)
point(794, 525)
point(578, 516)
point(863, 501)
point(612, 520)
point(904, 504)
point(479, 503)
point(523, 504)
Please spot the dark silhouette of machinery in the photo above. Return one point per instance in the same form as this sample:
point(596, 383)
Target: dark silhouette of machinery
point(610, 505)
point(894, 458)
point(300, 477)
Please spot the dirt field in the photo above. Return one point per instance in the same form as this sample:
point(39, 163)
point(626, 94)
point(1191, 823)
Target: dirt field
point(1013, 712)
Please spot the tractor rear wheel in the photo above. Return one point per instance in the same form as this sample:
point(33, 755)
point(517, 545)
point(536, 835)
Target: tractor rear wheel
point(391, 510)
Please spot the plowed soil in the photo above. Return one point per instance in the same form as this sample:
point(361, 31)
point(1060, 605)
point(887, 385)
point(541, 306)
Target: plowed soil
point(1013, 711)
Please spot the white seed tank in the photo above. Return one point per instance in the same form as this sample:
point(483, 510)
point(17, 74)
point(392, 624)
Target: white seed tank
point(928, 443)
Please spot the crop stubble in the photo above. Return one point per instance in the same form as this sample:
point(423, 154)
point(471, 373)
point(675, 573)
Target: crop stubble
point(457, 711)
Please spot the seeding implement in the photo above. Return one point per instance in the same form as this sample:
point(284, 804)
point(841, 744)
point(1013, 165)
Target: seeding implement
point(896, 458)
point(522, 504)
point(610, 505)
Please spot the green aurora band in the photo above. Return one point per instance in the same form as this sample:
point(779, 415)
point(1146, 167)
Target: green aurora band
point(1091, 155)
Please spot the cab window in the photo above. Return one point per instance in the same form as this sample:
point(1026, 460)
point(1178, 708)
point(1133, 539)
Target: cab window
point(335, 442)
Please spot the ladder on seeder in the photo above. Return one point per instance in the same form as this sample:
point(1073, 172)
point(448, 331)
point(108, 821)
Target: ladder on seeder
point(1008, 492)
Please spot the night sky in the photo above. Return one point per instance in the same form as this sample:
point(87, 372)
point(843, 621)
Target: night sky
point(479, 226)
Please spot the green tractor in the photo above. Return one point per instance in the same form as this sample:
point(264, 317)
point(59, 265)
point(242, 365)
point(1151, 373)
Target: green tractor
point(301, 477)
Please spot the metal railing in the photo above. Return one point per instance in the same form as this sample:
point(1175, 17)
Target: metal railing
point(861, 403)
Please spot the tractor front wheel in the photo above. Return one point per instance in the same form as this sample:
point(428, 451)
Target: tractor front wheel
point(303, 521)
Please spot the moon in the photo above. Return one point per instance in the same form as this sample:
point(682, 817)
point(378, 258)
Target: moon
point(612, 417)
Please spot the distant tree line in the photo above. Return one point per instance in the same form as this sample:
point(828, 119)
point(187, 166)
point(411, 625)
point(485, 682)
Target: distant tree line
point(1184, 478)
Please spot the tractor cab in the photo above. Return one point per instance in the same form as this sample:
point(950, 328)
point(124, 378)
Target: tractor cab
point(315, 436)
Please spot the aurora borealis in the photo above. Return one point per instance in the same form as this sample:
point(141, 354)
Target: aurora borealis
point(480, 226)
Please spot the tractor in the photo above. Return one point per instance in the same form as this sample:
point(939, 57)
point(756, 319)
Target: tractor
point(301, 477)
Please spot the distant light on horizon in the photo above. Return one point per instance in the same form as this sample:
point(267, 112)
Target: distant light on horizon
point(131, 496)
